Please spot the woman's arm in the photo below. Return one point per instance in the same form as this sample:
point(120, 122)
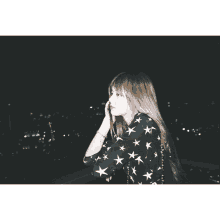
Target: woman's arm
point(97, 142)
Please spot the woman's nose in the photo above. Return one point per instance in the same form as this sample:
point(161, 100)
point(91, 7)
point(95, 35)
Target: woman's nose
point(111, 103)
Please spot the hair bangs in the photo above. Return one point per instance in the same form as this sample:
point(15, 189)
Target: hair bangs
point(117, 87)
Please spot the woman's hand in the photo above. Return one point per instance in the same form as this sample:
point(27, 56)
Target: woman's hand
point(107, 111)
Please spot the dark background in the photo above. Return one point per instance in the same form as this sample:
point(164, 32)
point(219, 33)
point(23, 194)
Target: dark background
point(72, 71)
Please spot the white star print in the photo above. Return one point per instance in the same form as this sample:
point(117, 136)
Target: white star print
point(105, 157)
point(138, 113)
point(158, 138)
point(108, 148)
point(119, 160)
point(154, 183)
point(138, 120)
point(150, 119)
point(139, 160)
point(136, 142)
point(132, 155)
point(155, 154)
point(101, 171)
point(134, 171)
point(109, 178)
point(159, 168)
point(97, 158)
point(103, 145)
point(140, 183)
point(148, 175)
point(118, 138)
point(130, 130)
point(122, 148)
point(148, 145)
point(147, 130)
point(132, 179)
point(152, 129)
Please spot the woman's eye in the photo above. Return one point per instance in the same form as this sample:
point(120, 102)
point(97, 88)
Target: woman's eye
point(116, 94)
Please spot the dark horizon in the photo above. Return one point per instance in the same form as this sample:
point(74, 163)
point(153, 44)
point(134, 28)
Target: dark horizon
point(74, 70)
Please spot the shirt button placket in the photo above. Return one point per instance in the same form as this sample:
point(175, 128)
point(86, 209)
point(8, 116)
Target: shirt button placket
point(128, 172)
point(162, 179)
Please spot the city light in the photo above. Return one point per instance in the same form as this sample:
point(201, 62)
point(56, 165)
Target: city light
point(44, 148)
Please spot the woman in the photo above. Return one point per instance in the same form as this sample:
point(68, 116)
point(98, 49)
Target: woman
point(141, 144)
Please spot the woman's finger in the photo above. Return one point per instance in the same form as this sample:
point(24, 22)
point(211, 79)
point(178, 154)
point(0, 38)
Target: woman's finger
point(113, 118)
point(107, 108)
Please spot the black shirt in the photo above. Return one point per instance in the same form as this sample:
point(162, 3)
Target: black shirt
point(138, 152)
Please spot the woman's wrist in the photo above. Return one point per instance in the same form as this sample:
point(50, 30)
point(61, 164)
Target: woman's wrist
point(98, 132)
point(105, 126)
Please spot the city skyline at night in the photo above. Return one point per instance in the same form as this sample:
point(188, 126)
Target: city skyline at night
point(38, 139)
point(38, 123)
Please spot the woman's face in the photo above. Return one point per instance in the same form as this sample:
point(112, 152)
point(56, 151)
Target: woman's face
point(119, 104)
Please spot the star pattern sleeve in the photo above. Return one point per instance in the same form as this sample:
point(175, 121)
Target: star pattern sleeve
point(132, 146)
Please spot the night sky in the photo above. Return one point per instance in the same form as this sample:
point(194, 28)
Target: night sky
point(72, 72)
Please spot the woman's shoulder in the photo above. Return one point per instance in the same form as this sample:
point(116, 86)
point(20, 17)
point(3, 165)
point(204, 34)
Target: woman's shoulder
point(141, 115)
point(145, 117)
point(147, 120)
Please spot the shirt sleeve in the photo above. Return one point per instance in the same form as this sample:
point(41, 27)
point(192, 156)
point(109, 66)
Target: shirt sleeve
point(113, 156)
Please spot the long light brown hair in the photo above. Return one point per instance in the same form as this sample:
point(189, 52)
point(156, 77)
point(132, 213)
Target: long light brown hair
point(141, 97)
